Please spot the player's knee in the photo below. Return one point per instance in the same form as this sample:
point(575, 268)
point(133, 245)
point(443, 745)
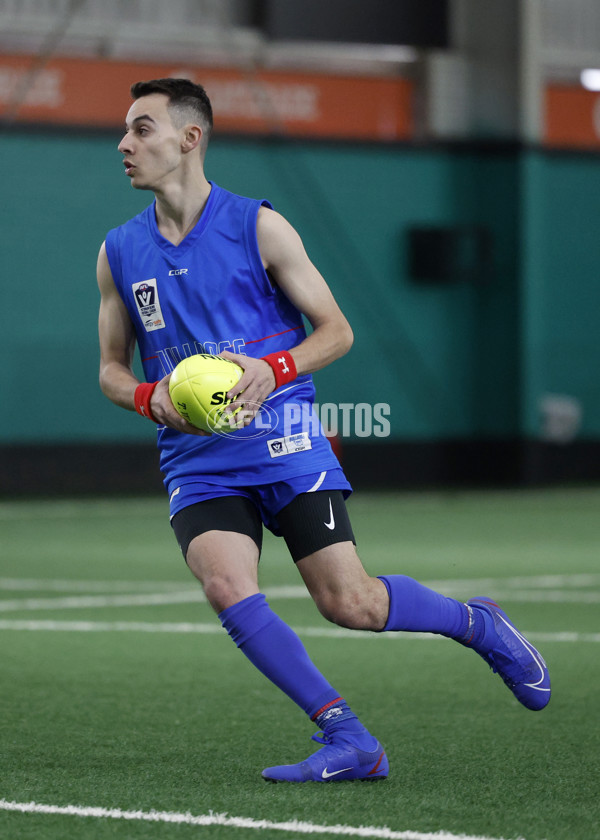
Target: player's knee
point(217, 593)
point(222, 590)
point(350, 608)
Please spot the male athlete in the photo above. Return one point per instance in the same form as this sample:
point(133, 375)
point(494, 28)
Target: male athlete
point(204, 270)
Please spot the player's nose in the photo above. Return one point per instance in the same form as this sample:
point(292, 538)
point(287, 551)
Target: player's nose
point(125, 145)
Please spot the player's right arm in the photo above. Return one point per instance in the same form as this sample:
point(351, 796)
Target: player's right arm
point(117, 346)
point(117, 340)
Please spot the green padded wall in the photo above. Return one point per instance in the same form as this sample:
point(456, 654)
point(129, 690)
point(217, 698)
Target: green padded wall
point(560, 350)
point(458, 360)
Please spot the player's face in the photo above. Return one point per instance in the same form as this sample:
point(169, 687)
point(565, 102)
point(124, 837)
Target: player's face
point(151, 145)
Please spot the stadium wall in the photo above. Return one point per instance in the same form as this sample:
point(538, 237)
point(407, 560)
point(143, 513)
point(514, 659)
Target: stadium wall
point(462, 360)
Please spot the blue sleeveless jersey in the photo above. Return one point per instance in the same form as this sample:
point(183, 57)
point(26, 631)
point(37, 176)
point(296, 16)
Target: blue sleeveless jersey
point(208, 294)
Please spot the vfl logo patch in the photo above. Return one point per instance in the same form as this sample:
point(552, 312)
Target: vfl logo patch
point(148, 304)
point(290, 444)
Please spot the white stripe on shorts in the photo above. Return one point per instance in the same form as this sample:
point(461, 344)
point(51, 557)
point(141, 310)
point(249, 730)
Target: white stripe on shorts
point(320, 481)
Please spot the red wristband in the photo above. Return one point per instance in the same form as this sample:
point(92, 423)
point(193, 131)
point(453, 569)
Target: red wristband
point(283, 366)
point(141, 398)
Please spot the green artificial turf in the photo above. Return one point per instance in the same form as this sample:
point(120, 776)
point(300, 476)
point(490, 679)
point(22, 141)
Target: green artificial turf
point(181, 722)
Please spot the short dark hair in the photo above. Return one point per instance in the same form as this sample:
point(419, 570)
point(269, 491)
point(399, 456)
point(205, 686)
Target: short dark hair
point(185, 99)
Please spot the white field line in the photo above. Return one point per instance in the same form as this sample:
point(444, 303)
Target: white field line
point(189, 595)
point(521, 582)
point(515, 589)
point(88, 602)
point(112, 626)
point(195, 596)
point(111, 586)
point(216, 629)
point(548, 596)
point(210, 819)
point(70, 585)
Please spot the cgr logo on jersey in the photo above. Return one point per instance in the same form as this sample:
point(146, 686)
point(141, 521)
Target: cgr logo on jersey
point(148, 304)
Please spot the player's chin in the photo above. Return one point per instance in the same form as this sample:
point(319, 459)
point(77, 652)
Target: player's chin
point(138, 183)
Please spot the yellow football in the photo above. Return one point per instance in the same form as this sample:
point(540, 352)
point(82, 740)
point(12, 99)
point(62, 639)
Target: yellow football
point(198, 388)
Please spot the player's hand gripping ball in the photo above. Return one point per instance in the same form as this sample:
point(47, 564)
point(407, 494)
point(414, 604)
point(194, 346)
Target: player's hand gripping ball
point(198, 390)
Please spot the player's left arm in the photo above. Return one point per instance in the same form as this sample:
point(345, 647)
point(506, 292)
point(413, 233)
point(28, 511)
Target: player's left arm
point(285, 259)
point(287, 263)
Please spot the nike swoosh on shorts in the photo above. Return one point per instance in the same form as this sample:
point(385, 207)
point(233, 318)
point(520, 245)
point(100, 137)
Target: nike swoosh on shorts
point(331, 523)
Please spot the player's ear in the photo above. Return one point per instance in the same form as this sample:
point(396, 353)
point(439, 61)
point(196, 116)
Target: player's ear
point(192, 135)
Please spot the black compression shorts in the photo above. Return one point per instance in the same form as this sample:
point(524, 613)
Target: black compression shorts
point(310, 522)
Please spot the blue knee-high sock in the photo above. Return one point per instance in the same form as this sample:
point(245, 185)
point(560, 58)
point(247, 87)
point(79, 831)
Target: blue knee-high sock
point(279, 654)
point(416, 607)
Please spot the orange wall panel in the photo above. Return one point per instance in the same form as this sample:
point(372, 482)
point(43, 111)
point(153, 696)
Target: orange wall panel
point(81, 92)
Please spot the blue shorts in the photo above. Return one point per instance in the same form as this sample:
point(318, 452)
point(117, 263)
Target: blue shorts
point(268, 498)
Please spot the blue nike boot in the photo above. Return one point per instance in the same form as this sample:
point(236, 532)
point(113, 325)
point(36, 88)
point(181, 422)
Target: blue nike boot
point(333, 763)
point(511, 656)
